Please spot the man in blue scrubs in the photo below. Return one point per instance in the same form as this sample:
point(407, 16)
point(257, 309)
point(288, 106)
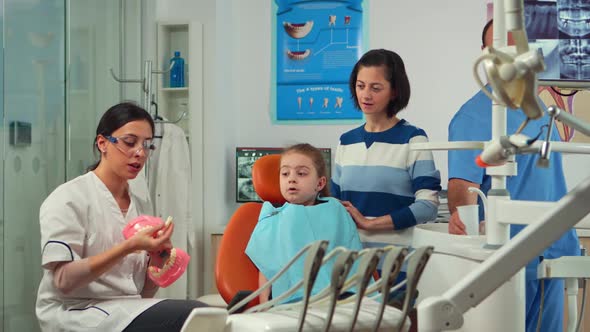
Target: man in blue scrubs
point(473, 123)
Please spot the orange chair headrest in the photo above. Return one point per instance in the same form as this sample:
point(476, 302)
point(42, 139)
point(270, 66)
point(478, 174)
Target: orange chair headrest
point(265, 177)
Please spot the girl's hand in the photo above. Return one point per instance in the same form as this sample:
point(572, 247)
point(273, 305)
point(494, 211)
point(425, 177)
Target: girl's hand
point(360, 220)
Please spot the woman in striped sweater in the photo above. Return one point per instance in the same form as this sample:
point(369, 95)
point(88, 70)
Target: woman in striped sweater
point(381, 182)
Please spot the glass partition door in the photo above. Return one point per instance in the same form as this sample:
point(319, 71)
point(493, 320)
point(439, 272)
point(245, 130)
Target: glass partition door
point(48, 126)
point(93, 49)
point(33, 143)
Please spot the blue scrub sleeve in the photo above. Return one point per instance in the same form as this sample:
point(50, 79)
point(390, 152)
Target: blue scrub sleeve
point(462, 162)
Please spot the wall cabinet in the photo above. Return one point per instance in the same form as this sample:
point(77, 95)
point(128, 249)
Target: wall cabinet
point(184, 107)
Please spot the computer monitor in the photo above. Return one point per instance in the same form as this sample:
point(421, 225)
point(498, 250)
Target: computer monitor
point(561, 29)
point(245, 158)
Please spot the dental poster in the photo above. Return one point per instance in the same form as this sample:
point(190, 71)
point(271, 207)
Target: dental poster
point(317, 45)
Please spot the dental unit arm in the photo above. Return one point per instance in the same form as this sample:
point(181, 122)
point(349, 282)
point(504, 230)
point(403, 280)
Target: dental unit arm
point(513, 80)
point(556, 113)
point(498, 151)
point(445, 312)
point(569, 120)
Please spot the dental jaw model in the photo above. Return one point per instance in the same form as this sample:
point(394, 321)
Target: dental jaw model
point(176, 259)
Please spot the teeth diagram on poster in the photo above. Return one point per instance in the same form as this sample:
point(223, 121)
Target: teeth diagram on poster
point(317, 45)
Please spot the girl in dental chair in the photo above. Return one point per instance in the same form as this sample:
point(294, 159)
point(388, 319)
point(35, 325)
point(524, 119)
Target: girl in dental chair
point(309, 215)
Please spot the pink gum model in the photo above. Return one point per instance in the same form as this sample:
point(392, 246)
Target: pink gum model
point(176, 259)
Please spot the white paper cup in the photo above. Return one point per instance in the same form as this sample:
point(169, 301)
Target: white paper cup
point(469, 215)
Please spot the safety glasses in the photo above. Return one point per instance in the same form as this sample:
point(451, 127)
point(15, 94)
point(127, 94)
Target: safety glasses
point(130, 145)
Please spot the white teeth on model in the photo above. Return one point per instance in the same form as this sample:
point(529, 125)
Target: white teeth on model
point(332, 20)
point(339, 101)
point(325, 105)
point(157, 272)
point(298, 55)
point(298, 30)
point(139, 228)
point(166, 224)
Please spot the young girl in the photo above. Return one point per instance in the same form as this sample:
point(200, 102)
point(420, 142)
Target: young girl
point(309, 215)
point(93, 278)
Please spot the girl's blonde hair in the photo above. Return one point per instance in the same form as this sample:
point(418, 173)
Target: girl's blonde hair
point(316, 157)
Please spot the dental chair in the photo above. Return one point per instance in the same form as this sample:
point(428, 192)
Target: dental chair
point(235, 275)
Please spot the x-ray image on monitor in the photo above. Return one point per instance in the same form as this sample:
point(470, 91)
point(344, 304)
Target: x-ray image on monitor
point(244, 166)
point(244, 186)
point(572, 18)
point(246, 191)
point(574, 57)
point(561, 30)
point(245, 159)
point(541, 19)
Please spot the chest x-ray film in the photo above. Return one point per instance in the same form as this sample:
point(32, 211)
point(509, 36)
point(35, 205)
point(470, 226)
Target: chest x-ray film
point(561, 29)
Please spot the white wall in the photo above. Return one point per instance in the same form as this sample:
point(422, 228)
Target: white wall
point(438, 41)
point(437, 46)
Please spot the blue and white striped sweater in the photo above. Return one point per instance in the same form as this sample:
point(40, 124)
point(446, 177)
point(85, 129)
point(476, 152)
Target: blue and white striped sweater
point(379, 174)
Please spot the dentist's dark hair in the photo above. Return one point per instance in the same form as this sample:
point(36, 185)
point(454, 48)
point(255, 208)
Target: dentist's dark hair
point(395, 74)
point(116, 117)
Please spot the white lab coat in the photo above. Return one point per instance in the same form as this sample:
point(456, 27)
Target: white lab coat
point(80, 219)
point(169, 180)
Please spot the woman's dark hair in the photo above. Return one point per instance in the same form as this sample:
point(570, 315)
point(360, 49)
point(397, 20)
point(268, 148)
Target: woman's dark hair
point(395, 74)
point(116, 117)
point(316, 157)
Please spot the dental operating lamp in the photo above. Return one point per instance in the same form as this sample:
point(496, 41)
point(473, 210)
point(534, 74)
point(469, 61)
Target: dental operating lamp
point(512, 70)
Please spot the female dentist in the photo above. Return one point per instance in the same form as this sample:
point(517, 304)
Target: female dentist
point(93, 278)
